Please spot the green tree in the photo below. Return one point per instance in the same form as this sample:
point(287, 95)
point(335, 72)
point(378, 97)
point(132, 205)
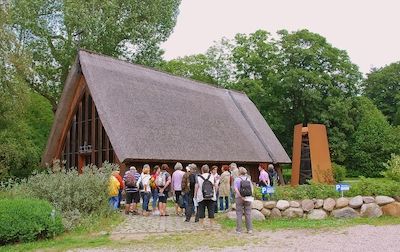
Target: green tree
point(25, 117)
point(196, 67)
point(214, 67)
point(382, 86)
point(297, 77)
point(53, 30)
point(373, 141)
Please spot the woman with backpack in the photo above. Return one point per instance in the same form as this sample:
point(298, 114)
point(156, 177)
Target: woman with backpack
point(132, 192)
point(163, 183)
point(243, 193)
point(154, 189)
point(144, 188)
point(205, 194)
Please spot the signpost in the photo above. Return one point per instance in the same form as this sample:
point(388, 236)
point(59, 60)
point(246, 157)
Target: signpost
point(342, 187)
point(267, 190)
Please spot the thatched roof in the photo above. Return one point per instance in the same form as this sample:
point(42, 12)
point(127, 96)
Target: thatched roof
point(152, 115)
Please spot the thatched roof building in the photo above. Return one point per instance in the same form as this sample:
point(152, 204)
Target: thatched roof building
point(126, 113)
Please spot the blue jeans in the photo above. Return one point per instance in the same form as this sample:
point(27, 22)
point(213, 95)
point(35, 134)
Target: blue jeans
point(154, 193)
point(119, 198)
point(185, 200)
point(146, 199)
point(221, 203)
point(113, 201)
point(216, 203)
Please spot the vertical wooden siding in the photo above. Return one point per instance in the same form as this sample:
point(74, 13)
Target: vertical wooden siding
point(86, 128)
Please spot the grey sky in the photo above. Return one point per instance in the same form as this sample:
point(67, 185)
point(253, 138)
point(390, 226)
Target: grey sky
point(368, 30)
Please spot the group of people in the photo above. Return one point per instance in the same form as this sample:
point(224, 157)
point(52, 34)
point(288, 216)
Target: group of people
point(196, 191)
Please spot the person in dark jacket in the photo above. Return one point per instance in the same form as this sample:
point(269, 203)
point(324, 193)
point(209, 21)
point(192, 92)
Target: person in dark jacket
point(189, 210)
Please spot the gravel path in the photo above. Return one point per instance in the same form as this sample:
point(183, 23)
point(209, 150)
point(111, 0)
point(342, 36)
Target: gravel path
point(358, 238)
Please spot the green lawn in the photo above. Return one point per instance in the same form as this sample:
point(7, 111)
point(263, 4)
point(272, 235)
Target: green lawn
point(93, 233)
point(276, 224)
point(96, 233)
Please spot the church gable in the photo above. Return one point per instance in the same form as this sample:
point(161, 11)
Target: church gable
point(85, 140)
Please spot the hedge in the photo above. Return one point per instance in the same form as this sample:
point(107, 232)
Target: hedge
point(27, 220)
point(364, 187)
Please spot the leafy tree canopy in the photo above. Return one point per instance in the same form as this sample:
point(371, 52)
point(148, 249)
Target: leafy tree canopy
point(382, 86)
point(373, 141)
point(25, 117)
point(53, 30)
point(297, 77)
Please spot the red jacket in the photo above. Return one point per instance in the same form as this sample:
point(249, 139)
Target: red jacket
point(121, 182)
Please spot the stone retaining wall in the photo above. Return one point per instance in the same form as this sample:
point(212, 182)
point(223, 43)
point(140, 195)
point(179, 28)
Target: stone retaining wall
point(359, 206)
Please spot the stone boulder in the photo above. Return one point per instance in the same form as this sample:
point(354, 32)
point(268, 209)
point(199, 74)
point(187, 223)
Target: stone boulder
point(370, 210)
point(329, 204)
point(282, 204)
point(256, 215)
point(257, 204)
point(231, 215)
point(307, 205)
point(294, 204)
point(368, 199)
point(317, 214)
point(342, 202)
point(318, 203)
point(269, 204)
point(266, 212)
point(346, 212)
point(392, 209)
point(397, 198)
point(383, 200)
point(292, 212)
point(356, 202)
point(275, 213)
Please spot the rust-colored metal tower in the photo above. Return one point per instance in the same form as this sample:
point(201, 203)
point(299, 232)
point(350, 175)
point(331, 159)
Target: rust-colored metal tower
point(311, 158)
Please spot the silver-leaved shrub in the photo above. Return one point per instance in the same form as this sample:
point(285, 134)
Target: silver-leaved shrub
point(75, 195)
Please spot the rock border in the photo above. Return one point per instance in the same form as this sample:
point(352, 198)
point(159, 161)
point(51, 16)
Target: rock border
point(317, 209)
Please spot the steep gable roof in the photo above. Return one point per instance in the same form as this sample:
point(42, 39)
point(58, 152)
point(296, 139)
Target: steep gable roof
point(151, 115)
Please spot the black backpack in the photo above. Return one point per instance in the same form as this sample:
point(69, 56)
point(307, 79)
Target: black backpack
point(207, 188)
point(245, 187)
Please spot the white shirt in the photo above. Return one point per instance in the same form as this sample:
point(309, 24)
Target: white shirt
point(200, 181)
point(145, 178)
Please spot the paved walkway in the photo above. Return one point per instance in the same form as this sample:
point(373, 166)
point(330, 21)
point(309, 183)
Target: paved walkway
point(137, 224)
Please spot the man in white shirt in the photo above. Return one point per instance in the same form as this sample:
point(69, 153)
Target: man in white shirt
point(205, 193)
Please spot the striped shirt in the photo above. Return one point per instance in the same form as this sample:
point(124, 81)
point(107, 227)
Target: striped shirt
point(131, 189)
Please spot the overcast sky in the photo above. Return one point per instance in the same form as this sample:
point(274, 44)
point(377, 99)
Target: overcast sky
point(368, 30)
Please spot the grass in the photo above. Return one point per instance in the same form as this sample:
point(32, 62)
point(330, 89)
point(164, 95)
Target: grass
point(86, 236)
point(276, 224)
point(89, 236)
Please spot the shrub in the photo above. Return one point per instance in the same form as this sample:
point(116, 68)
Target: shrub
point(373, 187)
point(339, 172)
point(27, 220)
point(393, 168)
point(364, 187)
point(75, 195)
point(311, 191)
